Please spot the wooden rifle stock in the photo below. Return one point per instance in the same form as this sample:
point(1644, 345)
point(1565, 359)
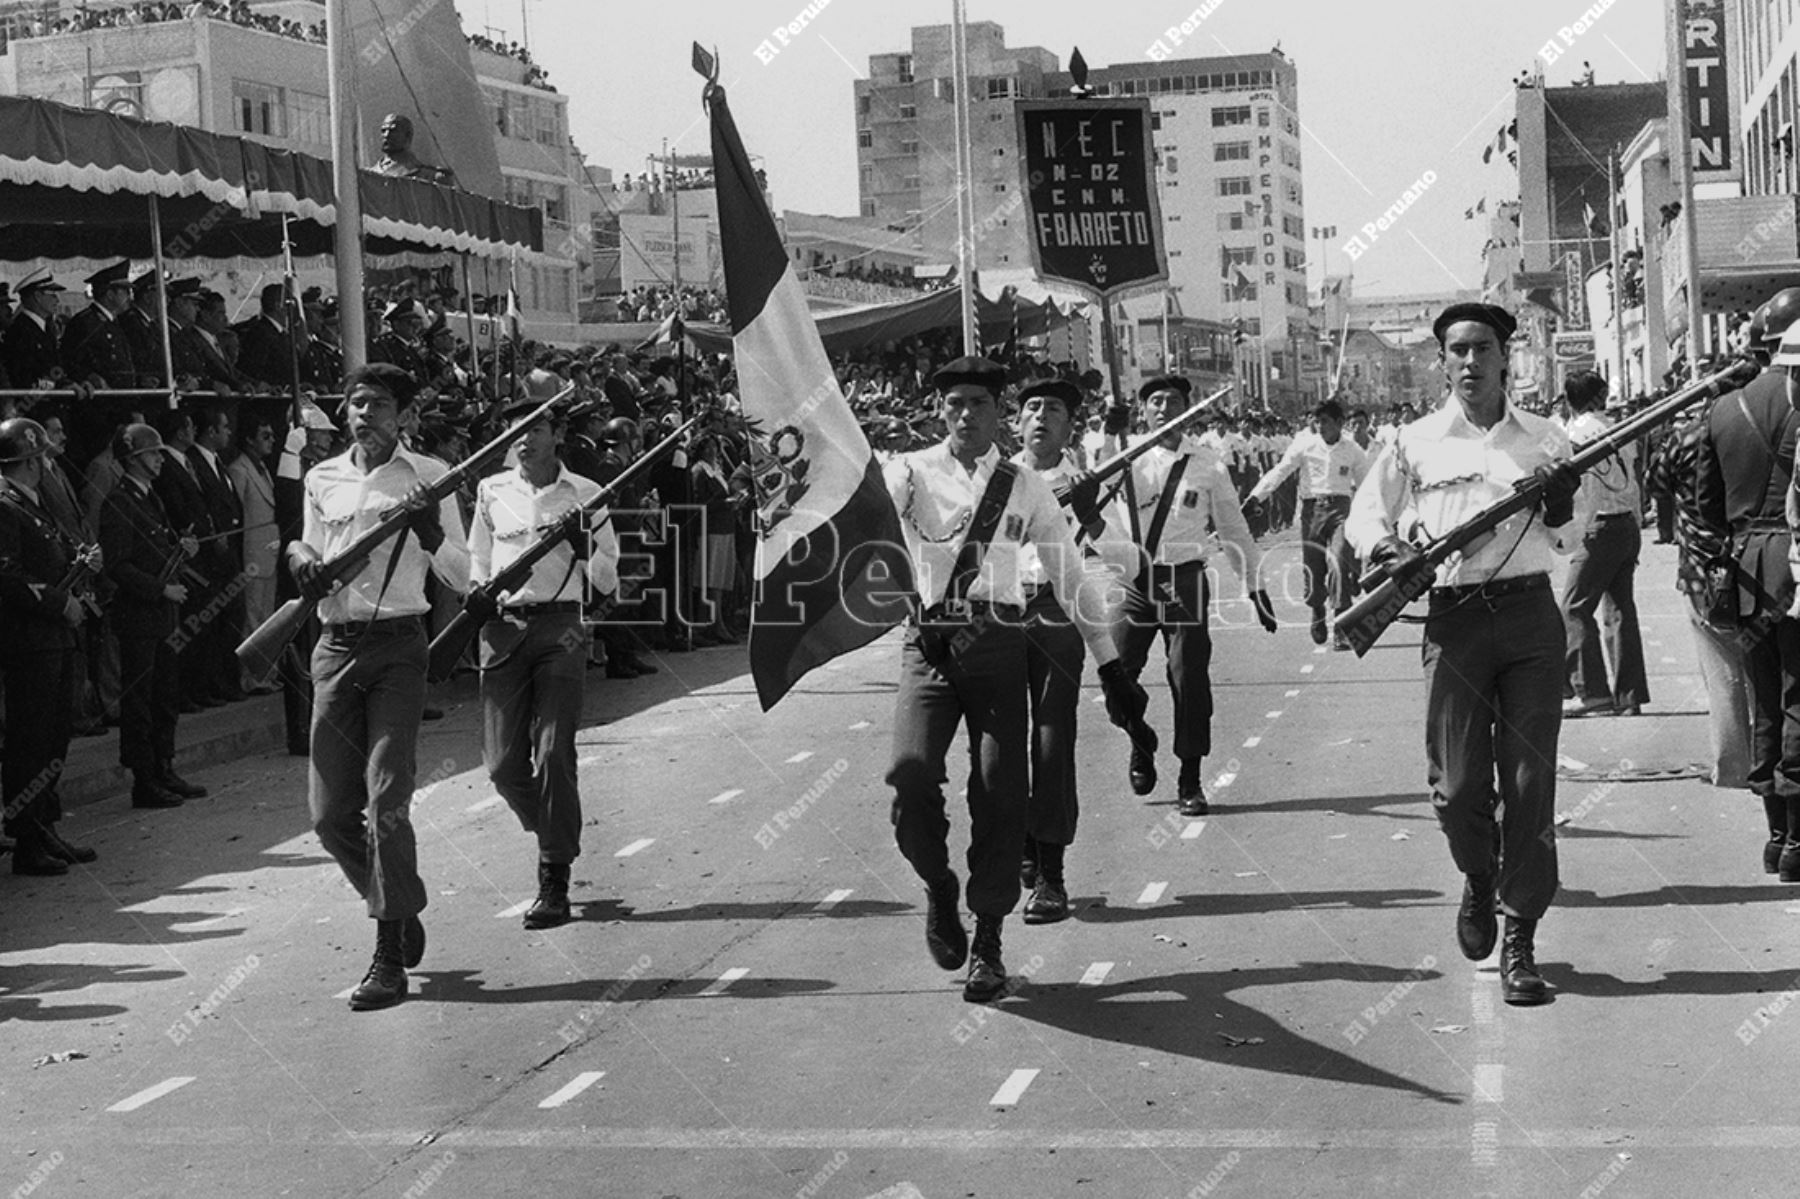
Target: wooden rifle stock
point(1175, 424)
point(1363, 623)
point(483, 601)
point(261, 651)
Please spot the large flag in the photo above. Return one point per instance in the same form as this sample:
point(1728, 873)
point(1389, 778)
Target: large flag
point(832, 572)
point(412, 59)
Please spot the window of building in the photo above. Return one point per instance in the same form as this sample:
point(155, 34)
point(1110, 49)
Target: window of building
point(999, 151)
point(1002, 87)
point(1234, 185)
point(1231, 152)
point(1236, 256)
point(258, 108)
point(1262, 118)
point(1238, 115)
point(1293, 226)
point(909, 146)
point(1231, 293)
point(1232, 221)
point(909, 112)
point(909, 183)
point(868, 177)
point(868, 208)
point(905, 68)
point(999, 187)
point(1290, 155)
point(944, 89)
point(864, 103)
point(865, 139)
point(310, 118)
point(1155, 122)
point(1170, 162)
point(1294, 260)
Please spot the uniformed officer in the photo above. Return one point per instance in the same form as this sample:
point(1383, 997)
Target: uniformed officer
point(323, 364)
point(143, 555)
point(94, 348)
point(533, 649)
point(1494, 638)
point(30, 349)
point(400, 345)
point(1049, 414)
point(1330, 467)
point(1186, 502)
point(964, 514)
point(42, 609)
point(143, 329)
point(368, 668)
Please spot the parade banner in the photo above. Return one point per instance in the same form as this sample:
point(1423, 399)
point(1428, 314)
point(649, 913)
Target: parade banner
point(1088, 174)
point(831, 567)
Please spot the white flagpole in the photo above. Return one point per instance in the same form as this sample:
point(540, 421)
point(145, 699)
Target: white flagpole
point(965, 197)
point(347, 236)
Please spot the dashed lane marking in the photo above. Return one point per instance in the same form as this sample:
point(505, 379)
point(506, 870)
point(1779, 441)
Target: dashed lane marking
point(1275, 715)
point(1307, 669)
point(1671, 661)
point(1152, 893)
point(638, 846)
point(835, 898)
point(1568, 763)
point(1096, 974)
point(1225, 780)
point(860, 725)
point(800, 757)
point(492, 801)
point(1013, 1089)
point(572, 1088)
point(1194, 828)
point(718, 985)
point(726, 796)
point(1252, 742)
point(590, 760)
point(152, 1094)
point(1284, 694)
point(1490, 1083)
point(517, 909)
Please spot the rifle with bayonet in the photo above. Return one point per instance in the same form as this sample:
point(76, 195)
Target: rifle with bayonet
point(1388, 594)
point(261, 651)
point(1119, 462)
point(483, 601)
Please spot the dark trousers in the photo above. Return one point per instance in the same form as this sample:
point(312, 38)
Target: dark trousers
point(982, 688)
point(1493, 711)
point(1605, 567)
point(1772, 667)
point(38, 727)
point(1325, 552)
point(368, 699)
point(149, 701)
point(1053, 658)
point(1176, 607)
point(531, 687)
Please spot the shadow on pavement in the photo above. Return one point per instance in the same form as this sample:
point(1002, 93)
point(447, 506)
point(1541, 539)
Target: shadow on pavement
point(1574, 897)
point(1158, 1013)
point(1571, 981)
point(1582, 832)
point(613, 910)
point(467, 986)
point(1350, 805)
point(1100, 912)
point(22, 986)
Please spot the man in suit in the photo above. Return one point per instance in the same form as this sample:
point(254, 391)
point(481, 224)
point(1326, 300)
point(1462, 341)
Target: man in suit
point(139, 546)
point(206, 340)
point(1741, 479)
point(224, 564)
point(250, 481)
point(94, 347)
point(29, 348)
point(178, 487)
point(37, 643)
point(142, 327)
point(265, 352)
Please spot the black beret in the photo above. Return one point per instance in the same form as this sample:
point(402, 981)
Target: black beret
point(1494, 317)
point(1056, 389)
point(1165, 383)
point(977, 372)
point(1332, 409)
point(387, 377)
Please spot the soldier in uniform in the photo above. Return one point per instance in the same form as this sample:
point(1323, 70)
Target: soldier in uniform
point(43, 608)
point(1494, 640)
point(29, 349)
point(323, 365)
point(141, 549)
point(95, 349)
point(368, 668)
point(533, 649)
point(143, 329)
point(1049, 414)
point(1184, 496)
point(400, 345)
point(964, 662)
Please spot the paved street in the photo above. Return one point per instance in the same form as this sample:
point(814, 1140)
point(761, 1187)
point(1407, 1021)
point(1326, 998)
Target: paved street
point(1268, 1001)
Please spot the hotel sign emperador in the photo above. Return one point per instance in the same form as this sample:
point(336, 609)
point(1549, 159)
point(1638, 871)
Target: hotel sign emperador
point(1088, 176)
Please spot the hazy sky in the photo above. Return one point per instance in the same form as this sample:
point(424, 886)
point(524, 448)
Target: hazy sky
point(1389, 89)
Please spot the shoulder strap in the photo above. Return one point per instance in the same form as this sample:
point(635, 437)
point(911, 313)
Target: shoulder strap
point(1773, 445)
point(1164, 502)
point(981, 530)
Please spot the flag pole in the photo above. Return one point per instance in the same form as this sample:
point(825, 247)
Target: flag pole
point(347, 234)
point(1618, 273)
point(162, 301)
point(965, 198)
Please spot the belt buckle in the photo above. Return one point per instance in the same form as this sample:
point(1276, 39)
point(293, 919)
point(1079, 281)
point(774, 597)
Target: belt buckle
point(956, 609)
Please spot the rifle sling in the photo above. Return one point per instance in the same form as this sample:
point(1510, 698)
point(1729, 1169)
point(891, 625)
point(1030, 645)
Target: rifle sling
point(981, 531)
point(1164, 502)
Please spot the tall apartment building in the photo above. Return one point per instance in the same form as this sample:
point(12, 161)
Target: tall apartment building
point(1227, 135)
point(228, 77)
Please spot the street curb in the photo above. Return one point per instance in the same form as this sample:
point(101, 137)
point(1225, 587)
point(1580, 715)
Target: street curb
point(98, 782)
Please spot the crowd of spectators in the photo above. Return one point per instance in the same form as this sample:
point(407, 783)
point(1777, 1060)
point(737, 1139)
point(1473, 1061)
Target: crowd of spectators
point(534, 74)
point(237, 12)
point(657, 182)
point(660, 303)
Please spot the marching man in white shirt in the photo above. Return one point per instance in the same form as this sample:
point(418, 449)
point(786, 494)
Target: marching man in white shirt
point(965, 513)
point(1331, 467)
point(368, 668)
point(534, 651)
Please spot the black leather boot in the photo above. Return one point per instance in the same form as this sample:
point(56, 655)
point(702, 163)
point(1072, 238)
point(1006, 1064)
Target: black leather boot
point(1476, 927)
point(385, 983)
point(987, 973)
point(148, 792)
point(1142, 770)
point(1189, 792)
point(1775, 812)
point(412, 942)
point(30, 856)
point(551, 907)
point(180, 786)
point(944, 932)
point(59, 848)
point(1028, 865)
point(1049, 900)
point(1520, 983)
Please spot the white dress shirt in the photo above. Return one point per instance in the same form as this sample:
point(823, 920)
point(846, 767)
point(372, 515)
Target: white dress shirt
point(1205, 509)
point(1031, 568)
point(1611, 488)
point(1443, 469)
point(343, 502)
point(935, 496)
point(1335, 469)
point(511, 514)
